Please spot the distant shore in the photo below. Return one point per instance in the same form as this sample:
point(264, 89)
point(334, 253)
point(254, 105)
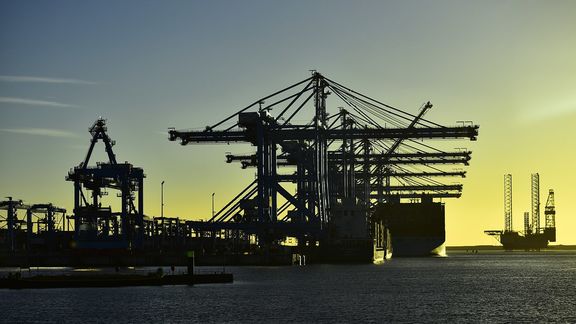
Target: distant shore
point(499, 247)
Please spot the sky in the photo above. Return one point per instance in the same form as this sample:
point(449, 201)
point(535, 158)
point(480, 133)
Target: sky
point(145, 66)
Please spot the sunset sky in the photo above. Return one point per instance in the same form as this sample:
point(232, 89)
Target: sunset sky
point(508, 66)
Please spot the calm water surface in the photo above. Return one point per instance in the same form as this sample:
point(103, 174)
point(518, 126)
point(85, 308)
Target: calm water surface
point(484, 287)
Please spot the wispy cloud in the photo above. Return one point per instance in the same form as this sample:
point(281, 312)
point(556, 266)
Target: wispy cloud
point(163, 133)
point(17, 78)
point(33, 102)
point(560, 109)
point(39, 131)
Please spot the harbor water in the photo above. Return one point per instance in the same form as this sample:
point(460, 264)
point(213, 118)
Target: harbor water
point(486, 286)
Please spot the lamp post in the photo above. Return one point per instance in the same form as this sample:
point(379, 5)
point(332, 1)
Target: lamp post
point(162, 199)
point(213, 204)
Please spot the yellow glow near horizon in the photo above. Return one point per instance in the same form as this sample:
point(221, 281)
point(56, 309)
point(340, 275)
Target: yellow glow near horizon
point(508, 66)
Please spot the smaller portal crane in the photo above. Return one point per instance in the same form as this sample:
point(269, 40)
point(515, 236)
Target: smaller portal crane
point(97, 226)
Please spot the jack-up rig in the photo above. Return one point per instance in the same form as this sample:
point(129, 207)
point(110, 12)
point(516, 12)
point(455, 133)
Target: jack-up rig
point(347, 174)
point(534, 237)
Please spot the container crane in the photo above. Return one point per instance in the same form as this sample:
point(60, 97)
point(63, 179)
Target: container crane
point(319, 167)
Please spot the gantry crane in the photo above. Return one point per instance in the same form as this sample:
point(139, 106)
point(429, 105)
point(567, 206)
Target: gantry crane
point(40, 224)
point(97, 226)
point(350, 156)
point(11, 222)
point(44, 223)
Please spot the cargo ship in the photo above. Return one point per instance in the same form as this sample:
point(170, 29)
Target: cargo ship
point(347, 239)
point(414, 229)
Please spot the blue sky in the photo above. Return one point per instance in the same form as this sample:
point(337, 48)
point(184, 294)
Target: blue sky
point(149, 65)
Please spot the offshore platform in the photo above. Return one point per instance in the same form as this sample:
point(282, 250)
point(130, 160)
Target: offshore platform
point(534, 237)
point(343, 184)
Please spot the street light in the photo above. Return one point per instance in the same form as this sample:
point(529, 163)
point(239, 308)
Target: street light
point(213, 204)
point(162, 199)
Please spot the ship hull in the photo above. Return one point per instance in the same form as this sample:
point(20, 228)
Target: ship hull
point(416, 229)
point(417, 246)
point(514, 241)
point(342, 251)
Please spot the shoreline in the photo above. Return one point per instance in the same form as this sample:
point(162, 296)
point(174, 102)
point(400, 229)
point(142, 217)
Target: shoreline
point(559, 247)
